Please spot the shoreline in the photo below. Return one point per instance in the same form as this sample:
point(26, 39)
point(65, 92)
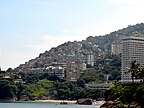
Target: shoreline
point(57, 101)
point(68, 101)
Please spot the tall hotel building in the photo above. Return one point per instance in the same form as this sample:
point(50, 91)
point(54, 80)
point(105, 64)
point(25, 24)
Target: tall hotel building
point(132, 49)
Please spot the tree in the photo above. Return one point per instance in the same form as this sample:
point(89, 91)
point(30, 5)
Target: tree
point(90, 75)
point(134, 70)
point(139, 95)
point(53, 77)
point(1, 71)
point(9, 70)
point(7, 89)
point(20, 90)
point(141, 73)
point(127, 94)
point(81, 83)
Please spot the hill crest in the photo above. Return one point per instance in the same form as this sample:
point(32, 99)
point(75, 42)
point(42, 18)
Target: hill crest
point(78, 50)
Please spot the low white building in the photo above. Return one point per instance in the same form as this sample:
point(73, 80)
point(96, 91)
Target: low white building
point(58, 71)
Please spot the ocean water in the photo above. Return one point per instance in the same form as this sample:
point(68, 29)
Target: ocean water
point(43, 105)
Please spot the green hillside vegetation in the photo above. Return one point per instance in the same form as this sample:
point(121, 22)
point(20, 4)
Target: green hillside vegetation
point(102, 68)
point(125, 95)
point(8, 89)
point(40, 89)
point(43, 89)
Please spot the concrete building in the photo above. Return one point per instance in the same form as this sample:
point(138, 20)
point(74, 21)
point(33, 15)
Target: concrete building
point(132, 49)
point(83, 67)
point(90, 59)
point(116, 47)
point(58, 71)
point(73, 71)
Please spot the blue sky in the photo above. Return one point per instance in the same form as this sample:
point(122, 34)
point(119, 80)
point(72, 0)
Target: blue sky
point(29, 27)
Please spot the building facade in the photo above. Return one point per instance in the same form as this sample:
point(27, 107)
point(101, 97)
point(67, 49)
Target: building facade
point(90, 59)
point(57, 70)
point(73, 71)
point(116, 47)
point(132, 49)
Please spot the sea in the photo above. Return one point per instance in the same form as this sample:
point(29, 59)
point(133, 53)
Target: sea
point(43, 105)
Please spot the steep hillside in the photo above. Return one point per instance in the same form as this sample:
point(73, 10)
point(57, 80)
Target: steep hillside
point(105, 41)
point(78, 51)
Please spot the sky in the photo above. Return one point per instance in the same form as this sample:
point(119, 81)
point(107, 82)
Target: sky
point(30, 27)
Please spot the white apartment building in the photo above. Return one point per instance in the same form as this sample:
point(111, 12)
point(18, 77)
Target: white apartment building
point(132, 49)
point(90, 59)
point(57, 70)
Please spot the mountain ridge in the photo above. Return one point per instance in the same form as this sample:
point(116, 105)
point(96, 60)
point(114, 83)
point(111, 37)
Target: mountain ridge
point(78, 50)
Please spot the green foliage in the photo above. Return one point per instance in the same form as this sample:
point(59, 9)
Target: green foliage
point(115, 75)
point(79, 92)
point(21, 88)
point(141, 73)
point(30, 77)
point(81, 83)
point(7, 89)
point(9, 70)
point(90, 75)
point(128, 94)
point(110, 94)
point(73, 91)
point(39, 92)
point(53, 78)
point(110, 65)
point(125, 94)
point(45, 83)
point(132, 93)
point(139, 95)
point(41, 88)
point(134, 69)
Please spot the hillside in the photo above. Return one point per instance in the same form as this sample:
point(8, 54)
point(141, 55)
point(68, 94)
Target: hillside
point(78, 51)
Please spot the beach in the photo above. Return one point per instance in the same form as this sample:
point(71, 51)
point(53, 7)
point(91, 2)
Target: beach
point(68, 101)
point(57, 101)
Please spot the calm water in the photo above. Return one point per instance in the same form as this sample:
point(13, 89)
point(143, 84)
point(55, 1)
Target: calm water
point(43, 105)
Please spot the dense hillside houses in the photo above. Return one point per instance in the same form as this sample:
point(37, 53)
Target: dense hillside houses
point(88, 51)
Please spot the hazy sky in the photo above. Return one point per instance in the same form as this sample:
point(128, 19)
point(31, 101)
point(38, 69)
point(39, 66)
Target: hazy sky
point(29, 27)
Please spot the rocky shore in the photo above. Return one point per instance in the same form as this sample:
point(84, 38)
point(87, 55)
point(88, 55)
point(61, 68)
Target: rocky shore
point(118, 104)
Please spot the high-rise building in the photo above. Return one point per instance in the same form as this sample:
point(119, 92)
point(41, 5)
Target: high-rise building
point(132, 49)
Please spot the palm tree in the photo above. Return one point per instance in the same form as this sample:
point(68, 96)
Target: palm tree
point(134, 70)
